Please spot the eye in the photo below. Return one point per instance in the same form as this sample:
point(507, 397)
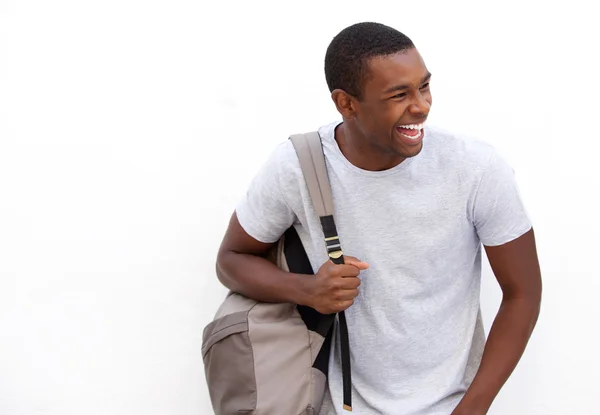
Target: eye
point(425, 86)
point(401, 95)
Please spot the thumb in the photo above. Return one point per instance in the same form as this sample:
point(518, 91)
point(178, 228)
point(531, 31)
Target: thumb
point(350, 260)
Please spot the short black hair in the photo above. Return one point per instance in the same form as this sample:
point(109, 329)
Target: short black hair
point(347, 56)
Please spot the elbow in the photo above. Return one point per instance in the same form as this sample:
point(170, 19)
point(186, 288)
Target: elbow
point(527, 301)
point(219, 270)
point(537, 301)
point(536, 298)
point(536, 306)
point(526, 290)
point(220, 275)
point(220, 267)
point(532, 298)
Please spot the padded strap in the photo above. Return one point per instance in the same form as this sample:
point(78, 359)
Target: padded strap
point(310, 153)
point(312, 161)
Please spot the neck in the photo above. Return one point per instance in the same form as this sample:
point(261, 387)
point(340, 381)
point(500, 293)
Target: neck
point(361, 153)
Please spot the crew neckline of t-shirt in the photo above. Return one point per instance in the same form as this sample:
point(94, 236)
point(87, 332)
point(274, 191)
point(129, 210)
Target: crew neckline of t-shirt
point(328, 135)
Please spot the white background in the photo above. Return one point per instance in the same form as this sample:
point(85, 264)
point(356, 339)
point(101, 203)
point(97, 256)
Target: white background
point(129, 130)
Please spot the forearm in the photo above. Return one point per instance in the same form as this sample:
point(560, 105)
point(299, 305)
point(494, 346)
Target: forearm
point(506, 343)
point(261, 280)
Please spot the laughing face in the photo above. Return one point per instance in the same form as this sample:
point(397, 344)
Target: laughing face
point(396, 99)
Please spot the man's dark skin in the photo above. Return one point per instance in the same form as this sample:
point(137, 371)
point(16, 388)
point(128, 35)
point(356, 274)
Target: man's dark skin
point(395, 92)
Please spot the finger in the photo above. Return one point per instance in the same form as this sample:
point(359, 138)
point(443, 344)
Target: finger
point(343, 305)
point(347, 295)
point(347, 271)
point(350, 260)
point(350, 283)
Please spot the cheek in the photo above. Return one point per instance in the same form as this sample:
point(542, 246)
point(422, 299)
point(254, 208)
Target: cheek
point(427, 97)
point(395, 112)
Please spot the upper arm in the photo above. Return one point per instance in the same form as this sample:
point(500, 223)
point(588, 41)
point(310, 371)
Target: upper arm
point(516, 267)
point(504, 228)
point(237, 240)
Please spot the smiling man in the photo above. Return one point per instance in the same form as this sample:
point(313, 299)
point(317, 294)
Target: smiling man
point(416, 204)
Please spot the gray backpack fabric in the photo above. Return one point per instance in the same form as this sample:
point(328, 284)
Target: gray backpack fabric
point(272, 359)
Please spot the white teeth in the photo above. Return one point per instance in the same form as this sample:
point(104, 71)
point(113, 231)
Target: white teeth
point(418, 127)
point(413, 126)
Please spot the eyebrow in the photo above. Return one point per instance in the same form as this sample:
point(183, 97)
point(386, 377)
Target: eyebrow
point(403, 87)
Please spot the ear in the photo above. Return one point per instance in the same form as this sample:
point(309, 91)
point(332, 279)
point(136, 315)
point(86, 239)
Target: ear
point(345, 103)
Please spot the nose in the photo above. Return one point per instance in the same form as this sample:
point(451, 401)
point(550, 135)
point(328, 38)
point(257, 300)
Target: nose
point(420, 106)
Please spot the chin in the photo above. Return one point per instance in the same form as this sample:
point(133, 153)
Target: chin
point(410, 152)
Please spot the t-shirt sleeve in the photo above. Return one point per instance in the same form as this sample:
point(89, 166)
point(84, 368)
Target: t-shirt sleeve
point(499, 215)
point(263, 211)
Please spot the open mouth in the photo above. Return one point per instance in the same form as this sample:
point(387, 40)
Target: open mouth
point(411, 131)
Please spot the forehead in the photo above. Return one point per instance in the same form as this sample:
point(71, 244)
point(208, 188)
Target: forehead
point(403, 68)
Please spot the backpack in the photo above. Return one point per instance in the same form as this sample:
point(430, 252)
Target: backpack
point(272, 358)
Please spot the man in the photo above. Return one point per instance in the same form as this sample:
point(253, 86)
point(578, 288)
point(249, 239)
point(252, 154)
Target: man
point(415, 204)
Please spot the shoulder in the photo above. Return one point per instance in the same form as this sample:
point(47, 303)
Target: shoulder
point(284, 154)
point(282, 160)
point(283, 170)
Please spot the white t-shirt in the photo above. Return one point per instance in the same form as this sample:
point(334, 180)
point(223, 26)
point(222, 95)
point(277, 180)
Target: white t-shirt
point(416, 335)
